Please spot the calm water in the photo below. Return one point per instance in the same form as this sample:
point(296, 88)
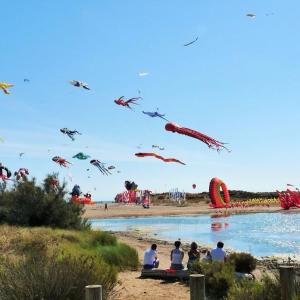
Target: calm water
point(261, 234)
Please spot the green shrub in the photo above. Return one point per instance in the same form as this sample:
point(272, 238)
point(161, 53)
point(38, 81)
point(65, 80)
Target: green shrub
point(50, 278)
point(267, 289)
point(27, 204)
point(243, 262)
point(219, 277)
point(120, 256)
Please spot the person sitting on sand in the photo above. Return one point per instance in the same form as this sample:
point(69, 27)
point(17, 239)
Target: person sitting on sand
point(150, 258)
point(218, 254)
point(194, 255)
point(176, 257)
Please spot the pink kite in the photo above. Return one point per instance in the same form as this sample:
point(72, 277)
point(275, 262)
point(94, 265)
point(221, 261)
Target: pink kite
point(140, 154)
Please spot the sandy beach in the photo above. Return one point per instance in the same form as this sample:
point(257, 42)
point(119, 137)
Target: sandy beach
point(122, 210)
point(131, 286)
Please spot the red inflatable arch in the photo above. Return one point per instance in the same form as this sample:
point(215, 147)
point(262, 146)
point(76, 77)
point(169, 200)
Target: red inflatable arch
point(215, 194)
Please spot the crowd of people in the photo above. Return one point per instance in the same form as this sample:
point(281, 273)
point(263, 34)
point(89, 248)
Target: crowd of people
point(151, 260)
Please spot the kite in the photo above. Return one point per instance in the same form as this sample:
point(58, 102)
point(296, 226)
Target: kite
point(252, 16)
point(26, 80)
point(70, 176)
point(111, 167)
point(98, 164)
point(61, 161)
point(141, 154)
point(157, 146)
point(5, 86)
point(69, 133)
point(122, 102)
point(130, 185)
point(54, 182)
point(21, 154)
point(79, 84)
point(210, 142)
point(21, 173)
point(192, 42)
point(2, 175)
point(81, 156)
point(194, 186)
point(141, 74)
point(155, 114)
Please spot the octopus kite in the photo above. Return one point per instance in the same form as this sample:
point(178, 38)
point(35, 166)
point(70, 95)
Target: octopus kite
point(61, 161)
point(98, 164)
point(69, 133)
point(155, 114)
point(80, 84)
point(141, 154)
point(81, 156)
point(6, 175)
point(5, 86)
point(21, 173)
point(210, 142)
point(121, 101)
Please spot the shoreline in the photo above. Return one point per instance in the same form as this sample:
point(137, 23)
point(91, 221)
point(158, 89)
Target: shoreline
point(270, 261)
point(132, 210)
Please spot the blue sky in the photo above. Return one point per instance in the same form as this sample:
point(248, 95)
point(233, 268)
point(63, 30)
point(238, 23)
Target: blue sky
point(239, 83)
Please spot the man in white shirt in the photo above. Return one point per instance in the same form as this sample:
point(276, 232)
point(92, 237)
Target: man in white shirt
point(218, 254)
point(150, 258)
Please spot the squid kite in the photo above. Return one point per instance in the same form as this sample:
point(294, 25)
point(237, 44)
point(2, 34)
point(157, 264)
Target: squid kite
point(21, 173)
point(98, 164)
point(5, 174)
point(5, 86)
point(61, 161)
point(210, 142)
point(155, 114)
point(79, 84)
point(192, 42)
point(81, 156)
point(141, 154)
point(121, 101)
point(69, 133)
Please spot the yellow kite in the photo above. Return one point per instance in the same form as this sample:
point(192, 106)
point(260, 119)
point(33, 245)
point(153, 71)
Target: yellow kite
point(5, 86)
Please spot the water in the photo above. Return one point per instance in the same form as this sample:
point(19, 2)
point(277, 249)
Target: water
point(262, 234)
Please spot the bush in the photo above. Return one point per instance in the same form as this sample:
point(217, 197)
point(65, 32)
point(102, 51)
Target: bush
point(50, 278)
point(121, 256)
point(243, 262)
point(219, 277)
point(30, 205)
point(267, 289)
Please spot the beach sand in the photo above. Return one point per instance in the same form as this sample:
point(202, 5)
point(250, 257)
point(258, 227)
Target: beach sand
point(122, 210)
point(131, 286)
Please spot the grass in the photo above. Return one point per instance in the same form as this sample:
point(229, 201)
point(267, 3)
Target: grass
point(44, 263)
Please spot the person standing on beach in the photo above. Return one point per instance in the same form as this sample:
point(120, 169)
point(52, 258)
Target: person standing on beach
point(105, 206)
point(150, 258)
point(218, 254)
point(176, 257)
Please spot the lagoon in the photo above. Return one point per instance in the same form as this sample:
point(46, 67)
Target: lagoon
point(262, 234)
